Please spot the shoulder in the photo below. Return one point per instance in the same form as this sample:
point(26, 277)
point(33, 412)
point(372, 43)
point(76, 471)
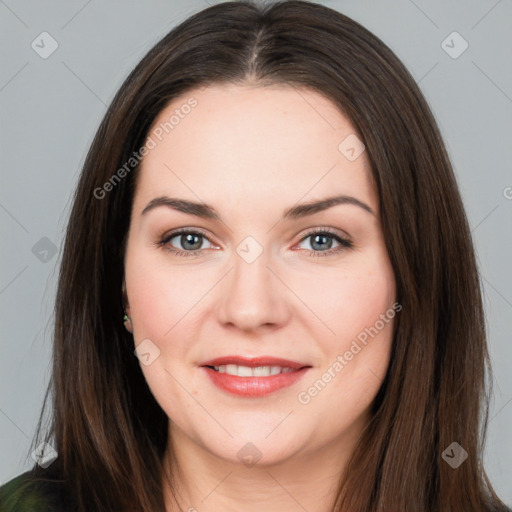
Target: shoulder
point(30, 493)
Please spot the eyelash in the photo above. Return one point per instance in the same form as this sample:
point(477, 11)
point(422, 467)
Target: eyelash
point(344, 243)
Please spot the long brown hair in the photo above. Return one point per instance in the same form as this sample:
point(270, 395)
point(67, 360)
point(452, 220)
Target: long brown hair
point(107, 428)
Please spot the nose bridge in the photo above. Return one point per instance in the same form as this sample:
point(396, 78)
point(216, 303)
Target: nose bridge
point(253, 296)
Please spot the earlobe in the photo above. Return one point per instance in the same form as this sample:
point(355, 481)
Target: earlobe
point(128, 323)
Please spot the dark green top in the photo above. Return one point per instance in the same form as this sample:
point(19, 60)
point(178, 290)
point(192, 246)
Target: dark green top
point(26, 493)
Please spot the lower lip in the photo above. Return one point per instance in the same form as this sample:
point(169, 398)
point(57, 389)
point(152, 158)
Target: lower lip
point(253, 386)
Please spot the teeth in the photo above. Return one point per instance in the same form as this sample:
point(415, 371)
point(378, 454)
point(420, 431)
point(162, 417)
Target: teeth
point(246, 371)
point(243, 371)
point(231, 369)
point(262, 371)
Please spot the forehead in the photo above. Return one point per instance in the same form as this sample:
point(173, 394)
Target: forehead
point(252, 144)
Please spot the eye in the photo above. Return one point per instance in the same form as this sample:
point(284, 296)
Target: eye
point(321, 242)
point(189, 242)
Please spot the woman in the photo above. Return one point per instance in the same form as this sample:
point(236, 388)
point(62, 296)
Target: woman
point(244, 368)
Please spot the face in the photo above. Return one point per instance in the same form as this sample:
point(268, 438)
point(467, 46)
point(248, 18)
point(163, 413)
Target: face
point(256, 274)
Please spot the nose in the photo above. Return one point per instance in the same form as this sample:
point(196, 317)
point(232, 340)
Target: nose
point(253, 296)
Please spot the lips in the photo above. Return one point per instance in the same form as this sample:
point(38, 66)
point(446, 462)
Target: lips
point(253, 376)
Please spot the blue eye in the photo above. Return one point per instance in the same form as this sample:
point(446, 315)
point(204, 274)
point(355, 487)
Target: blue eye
point(322, 240)
point(191, 242)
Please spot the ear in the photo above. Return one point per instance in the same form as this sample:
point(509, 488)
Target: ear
point(127, 321)
point(124, 296)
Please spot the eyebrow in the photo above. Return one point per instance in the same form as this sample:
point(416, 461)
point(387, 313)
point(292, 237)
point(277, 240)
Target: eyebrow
point(299, 211)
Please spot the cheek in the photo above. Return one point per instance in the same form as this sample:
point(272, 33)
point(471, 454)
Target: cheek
point(365, 336)
point(356, 304)
point(159, 295)
point(160, 304)
point(353, 298)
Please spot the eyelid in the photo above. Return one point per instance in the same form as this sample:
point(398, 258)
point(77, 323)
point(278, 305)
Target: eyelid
point(178, 231)
point(331, 231)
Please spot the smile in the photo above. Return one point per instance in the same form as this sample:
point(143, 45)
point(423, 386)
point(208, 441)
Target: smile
point(253, 377)
point(247, 371)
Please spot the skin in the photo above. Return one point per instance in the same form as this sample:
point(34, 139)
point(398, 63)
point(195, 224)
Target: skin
point(251, 152)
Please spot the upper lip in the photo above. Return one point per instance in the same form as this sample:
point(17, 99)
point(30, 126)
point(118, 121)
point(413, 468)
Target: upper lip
point(253, 362)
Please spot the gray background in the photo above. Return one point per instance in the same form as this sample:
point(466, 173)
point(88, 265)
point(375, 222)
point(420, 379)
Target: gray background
point(51, 108)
